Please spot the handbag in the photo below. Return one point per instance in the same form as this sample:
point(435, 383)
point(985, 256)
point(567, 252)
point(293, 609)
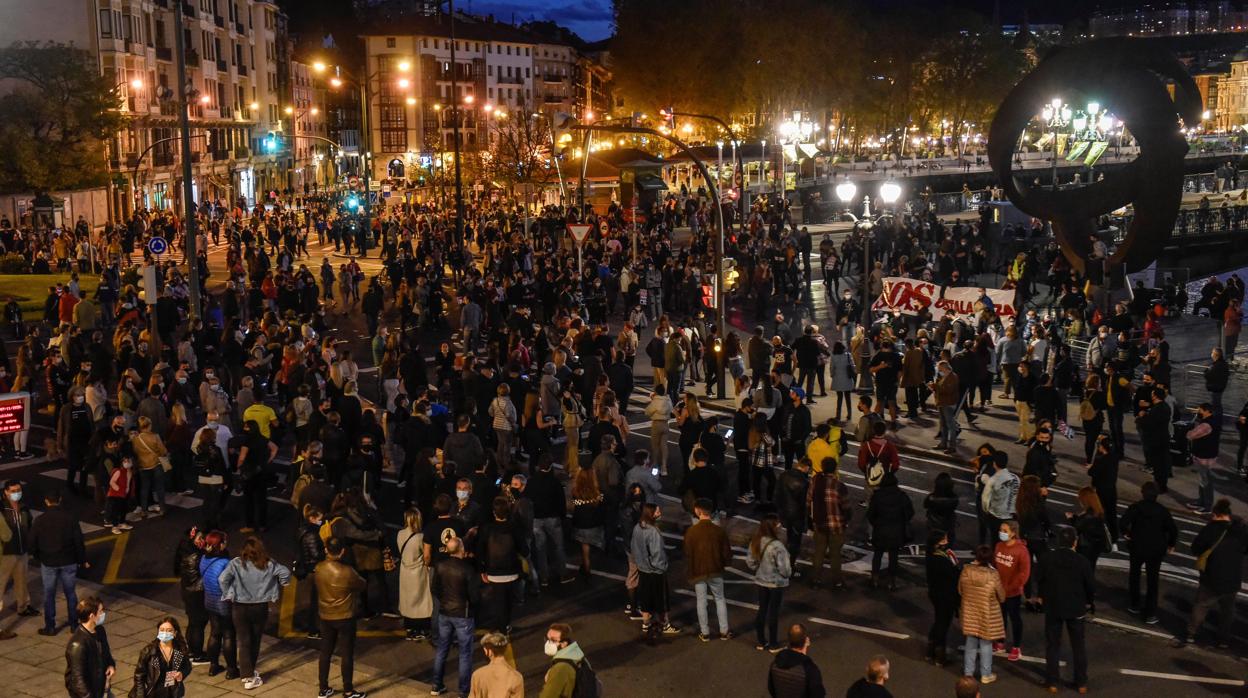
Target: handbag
point(165, 464)
point(1202, 561)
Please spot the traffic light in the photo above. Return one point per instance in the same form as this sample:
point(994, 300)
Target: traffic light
point(730, 274)
point(560, 131)
point(271, 142)
point(669, 117)
point(353, 202)
point(708, 293)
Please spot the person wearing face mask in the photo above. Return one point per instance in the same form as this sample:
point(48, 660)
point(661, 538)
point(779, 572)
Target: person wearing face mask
point(89, 665)
point(120, 490)
point(566, 660)
point(1012, 561)
point(14, 552)
point(163, 664)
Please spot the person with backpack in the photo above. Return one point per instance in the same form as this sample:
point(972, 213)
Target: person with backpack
point(829, 442)
point(570, 674)
point(877, 457)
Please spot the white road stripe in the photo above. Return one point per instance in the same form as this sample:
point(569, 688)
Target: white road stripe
point(1128, 627)
point(860, 628)
point(1181, 677)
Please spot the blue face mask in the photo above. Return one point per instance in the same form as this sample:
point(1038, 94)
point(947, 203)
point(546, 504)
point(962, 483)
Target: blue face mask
point(165, 636)
point(15, 496)
point(1005, 537)
point(99, 620)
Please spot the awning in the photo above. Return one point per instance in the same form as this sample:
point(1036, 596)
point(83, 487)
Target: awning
point(649, 182)
point(808, 149)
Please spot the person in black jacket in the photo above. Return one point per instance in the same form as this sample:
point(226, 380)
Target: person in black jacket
point(793, 673)
point(311, 551)
point(1221, 543)
point(795, 427)
point(454, 584)
point(1103, 470)
point(1150, 532)
point(1064, 579)
point(889, 513)
point(943, 571)
point(1153, 426)
point(56, 543)
point(1217, 374)
point(499, 547)
point(549, 509)
point(191, 584)
point(741, 421)
point(1041, 461)
point(791, 492)
point(88, 660)
point(942, 506)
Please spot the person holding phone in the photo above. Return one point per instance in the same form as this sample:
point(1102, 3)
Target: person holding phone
point(163, 663)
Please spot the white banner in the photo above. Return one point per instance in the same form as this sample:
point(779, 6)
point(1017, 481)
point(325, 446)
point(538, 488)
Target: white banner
point(910, 296)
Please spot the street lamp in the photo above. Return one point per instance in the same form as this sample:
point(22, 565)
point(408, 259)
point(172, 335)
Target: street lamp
point(845, 191)
point(1056, 115)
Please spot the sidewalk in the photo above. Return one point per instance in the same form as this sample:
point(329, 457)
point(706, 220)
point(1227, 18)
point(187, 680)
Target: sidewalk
point(34, 665)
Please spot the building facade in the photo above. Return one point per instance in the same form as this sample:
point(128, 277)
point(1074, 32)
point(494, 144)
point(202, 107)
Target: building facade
point(239, 83)
point(500, 71)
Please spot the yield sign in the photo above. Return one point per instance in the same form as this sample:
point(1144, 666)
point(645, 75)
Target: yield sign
point(579, 231)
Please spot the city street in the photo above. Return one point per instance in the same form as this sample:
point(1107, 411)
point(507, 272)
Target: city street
point(848, 626)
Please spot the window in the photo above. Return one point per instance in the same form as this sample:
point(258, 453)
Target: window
point(391, 42)
point(526, 72)
point(424, 43)
point(106, 24)
point(526, 51)
point(489, 48)
point(490, 70)
point(476, 47)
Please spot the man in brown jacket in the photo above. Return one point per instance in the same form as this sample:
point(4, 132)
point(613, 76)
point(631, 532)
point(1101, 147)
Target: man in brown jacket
point(912, 375)
point(948, 394)
point(707, 552)
point(497, 679)
point(336, 587)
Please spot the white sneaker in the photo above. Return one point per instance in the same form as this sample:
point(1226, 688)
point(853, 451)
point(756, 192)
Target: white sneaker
point(154, 508)
point(116, 531)
point(253, 682)
point(138, 511)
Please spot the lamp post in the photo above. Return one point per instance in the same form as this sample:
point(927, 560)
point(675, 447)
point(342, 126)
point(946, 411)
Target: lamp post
point(1056, 115)
point(188, 192)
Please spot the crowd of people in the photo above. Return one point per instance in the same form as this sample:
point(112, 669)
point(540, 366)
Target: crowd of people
point(498, 433)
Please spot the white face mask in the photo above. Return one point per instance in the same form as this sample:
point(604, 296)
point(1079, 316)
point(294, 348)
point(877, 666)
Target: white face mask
point(1005, 537)
point(461, 495)
point(99, 620)
point(551, 648)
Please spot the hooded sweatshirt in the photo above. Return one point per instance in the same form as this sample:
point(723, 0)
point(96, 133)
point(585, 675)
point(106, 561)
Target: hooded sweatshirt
point(561, 676)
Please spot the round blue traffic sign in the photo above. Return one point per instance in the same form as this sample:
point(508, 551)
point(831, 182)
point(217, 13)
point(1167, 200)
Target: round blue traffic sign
point(157, 245)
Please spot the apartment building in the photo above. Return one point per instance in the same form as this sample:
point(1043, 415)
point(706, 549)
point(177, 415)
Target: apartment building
point(499, 70)
point(238, 82)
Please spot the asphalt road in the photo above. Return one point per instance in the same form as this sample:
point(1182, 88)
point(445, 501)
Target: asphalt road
point(848, 626)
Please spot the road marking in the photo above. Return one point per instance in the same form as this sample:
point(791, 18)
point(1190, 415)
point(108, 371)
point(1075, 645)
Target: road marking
point(860, 628)
point(1181, 677)
point(1132, 628)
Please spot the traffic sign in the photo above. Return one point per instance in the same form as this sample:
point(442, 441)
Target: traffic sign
point(579, 231)
point(157, 245)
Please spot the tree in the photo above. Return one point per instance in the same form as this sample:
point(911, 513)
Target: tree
point(520, 150)
point(55, 123)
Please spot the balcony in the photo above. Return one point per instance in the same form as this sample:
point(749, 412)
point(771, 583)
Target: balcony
point(241, 152)
point(242, 70)
point(164, 53)
point(513, 80)
point(161, 3)
point(219, 21)
point(220, 155)
point(132, 160)
point(188, 10)
point(222, 66)
point(192, 58)
point(553, 79)
point(162, 159)
point(553, 99)
point(240, 28)
point(196, 157)
point(114, 164)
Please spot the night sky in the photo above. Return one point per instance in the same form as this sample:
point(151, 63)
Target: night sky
point(590, 19)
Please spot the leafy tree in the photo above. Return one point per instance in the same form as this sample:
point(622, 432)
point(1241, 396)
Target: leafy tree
point(55, 122)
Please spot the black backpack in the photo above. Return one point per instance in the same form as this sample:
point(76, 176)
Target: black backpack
point(587, 684)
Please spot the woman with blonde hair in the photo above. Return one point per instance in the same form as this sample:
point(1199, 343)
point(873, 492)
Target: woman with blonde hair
point(982, 595)
point(153, 459)
point(415, 598)
point(178, 435)
point(689, 420)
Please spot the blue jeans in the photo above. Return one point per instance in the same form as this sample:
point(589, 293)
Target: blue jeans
point(462, 629)
point(949, 425)
point(547, 541)
point(152, 484)
point(977, 647)
point(66, 576)
point(716, 587)
point(1204, 476)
